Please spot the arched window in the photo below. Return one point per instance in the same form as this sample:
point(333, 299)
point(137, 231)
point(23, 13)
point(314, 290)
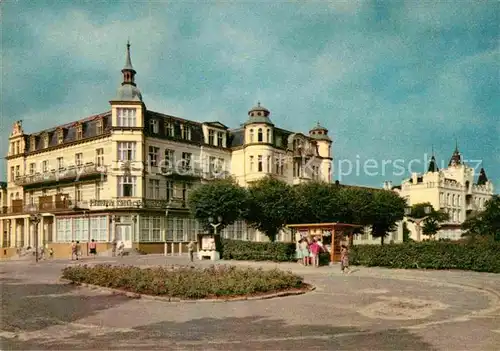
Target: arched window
point(251, 135)
point(268, 135)
point(17, 196)
point(448, 199)
point(454, 200)
point(259, 135)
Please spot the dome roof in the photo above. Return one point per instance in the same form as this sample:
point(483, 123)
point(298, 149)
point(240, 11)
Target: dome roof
point(259, 114)
point(319, 132)
point(128, 92)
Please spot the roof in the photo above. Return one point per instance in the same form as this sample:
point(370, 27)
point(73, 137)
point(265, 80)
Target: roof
point(259, 114)
point(482, 179)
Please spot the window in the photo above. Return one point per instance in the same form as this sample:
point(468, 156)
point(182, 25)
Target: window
point(60, 136)
point(99, 228)
point(81, 229)
point(211, 137)
point(251, 163)
point(99, 190)
point(220, 139)
point(99, 157)
point(259, 135)
point(32, 168)
point(126, 151)
point(221, 165)
point(32, 143)
point(45, 166)
point(212, 164)
point(251, 135)
point(259, 162)
point(153, 126)
point(185, 132)
point(46, 140)
point(268, 136)
point(126, 117)
point(99, 127)
point(268, 164)
point(60, 163)
point(169, 190)
point(78, 193)
point(186, 159)
point(238, 230)
point(79, 131)
point(18, 171)
point(78, 159)
point(169, 158)
point(156, 229)
point(126, 186)
point(154, 188)
point(185, 191)
point(170, 229)
point(12, 173)
point(179, 230)
point(64, 230)
point(153, 156)
point(169, 129)
point(145, 229)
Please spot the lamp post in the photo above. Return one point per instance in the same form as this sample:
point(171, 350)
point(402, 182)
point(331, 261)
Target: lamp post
point(215, 225)
point(418, 221)
point(35, 219)
point(134, 220)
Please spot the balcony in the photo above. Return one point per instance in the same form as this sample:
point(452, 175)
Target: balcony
point(216, 174)
point(64, 175)
point(181, 172)
point(137, 203)
point(45, 204)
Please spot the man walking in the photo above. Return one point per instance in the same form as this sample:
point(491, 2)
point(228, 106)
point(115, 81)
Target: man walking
point(191, 246)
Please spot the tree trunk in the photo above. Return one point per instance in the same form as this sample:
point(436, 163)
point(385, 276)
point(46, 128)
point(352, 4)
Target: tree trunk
point(382, 240)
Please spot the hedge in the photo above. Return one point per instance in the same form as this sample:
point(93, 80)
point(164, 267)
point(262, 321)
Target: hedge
point(480, 256)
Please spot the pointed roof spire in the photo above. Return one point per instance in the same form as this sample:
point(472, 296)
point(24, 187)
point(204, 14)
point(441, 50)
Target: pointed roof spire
point(128, 61)
point(433, 164)
point(482, 179)
point(456, 158)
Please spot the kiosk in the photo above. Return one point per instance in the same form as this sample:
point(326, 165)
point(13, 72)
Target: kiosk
point(332, 235)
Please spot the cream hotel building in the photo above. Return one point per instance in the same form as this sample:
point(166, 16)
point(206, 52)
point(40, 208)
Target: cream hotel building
point(127, 174)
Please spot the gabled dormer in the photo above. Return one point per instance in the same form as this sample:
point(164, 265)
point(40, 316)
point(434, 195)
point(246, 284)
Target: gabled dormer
point(99, 125)
point(78, 130)
point(32, 146)
point(45, 140)
point(61, 134)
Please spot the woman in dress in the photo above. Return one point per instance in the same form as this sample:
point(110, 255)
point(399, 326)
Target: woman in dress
point(344, 260)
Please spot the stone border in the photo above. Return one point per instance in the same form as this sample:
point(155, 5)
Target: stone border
point(176, 299)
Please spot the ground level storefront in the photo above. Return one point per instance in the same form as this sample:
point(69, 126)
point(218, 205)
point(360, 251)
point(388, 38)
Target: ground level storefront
point(145, 231)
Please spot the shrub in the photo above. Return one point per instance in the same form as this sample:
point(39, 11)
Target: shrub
point(185, 282)
point(258, 251)
point(476, 256)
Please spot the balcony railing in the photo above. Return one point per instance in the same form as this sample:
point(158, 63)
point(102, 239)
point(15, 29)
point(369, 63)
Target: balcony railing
point(181, 171)
point(46, 206)
point(72, 173)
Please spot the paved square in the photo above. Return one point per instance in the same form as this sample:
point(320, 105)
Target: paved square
point(371, 309)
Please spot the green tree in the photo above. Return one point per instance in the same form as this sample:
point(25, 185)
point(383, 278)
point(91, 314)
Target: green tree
point(432, 223)
point(271, 206)
point(406, 233)
point(316, 202)
point(222, 198)
point(485, 223)
point(387, 208)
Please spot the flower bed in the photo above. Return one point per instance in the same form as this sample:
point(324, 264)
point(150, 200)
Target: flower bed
point(186, 282)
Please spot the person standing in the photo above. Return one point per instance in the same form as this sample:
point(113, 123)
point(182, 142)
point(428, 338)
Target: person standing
point(114, 243)
point(74, 253)
point(93, 248)
point(315, 250)
point(344, 259)
point(304, 246)
point(191, 246)
point(78, 249)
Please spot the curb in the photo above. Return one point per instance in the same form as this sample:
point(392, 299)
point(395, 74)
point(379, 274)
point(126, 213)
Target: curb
point(176, 299)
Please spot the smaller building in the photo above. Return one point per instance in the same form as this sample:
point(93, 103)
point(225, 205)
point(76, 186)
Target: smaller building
point(454, 190)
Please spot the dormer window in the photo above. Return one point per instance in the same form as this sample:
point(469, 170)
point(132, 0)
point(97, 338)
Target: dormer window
point(99, 127)
point(185, 132)
point(220, 139)
point(153, 126)
point(32, 143)
point(46, 140)
point(60, 136)
point(169, 129)
point(211, 137)
point(79, 131)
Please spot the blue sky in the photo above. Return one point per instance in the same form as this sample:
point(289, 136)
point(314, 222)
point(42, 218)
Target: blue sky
point(388, 79)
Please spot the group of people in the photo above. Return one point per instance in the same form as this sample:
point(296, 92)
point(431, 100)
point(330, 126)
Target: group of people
point(116, 248)
point(309, 249)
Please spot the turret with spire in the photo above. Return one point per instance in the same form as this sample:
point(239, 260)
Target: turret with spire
point(482, 179)
point(433, 164)
point(456, 158)
point(128, 90)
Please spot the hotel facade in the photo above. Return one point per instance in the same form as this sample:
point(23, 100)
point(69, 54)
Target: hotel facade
point(453, 189)
point(127, 174)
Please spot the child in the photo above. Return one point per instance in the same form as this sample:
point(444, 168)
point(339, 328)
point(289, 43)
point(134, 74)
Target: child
point(344, 260)
point(51, 253)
